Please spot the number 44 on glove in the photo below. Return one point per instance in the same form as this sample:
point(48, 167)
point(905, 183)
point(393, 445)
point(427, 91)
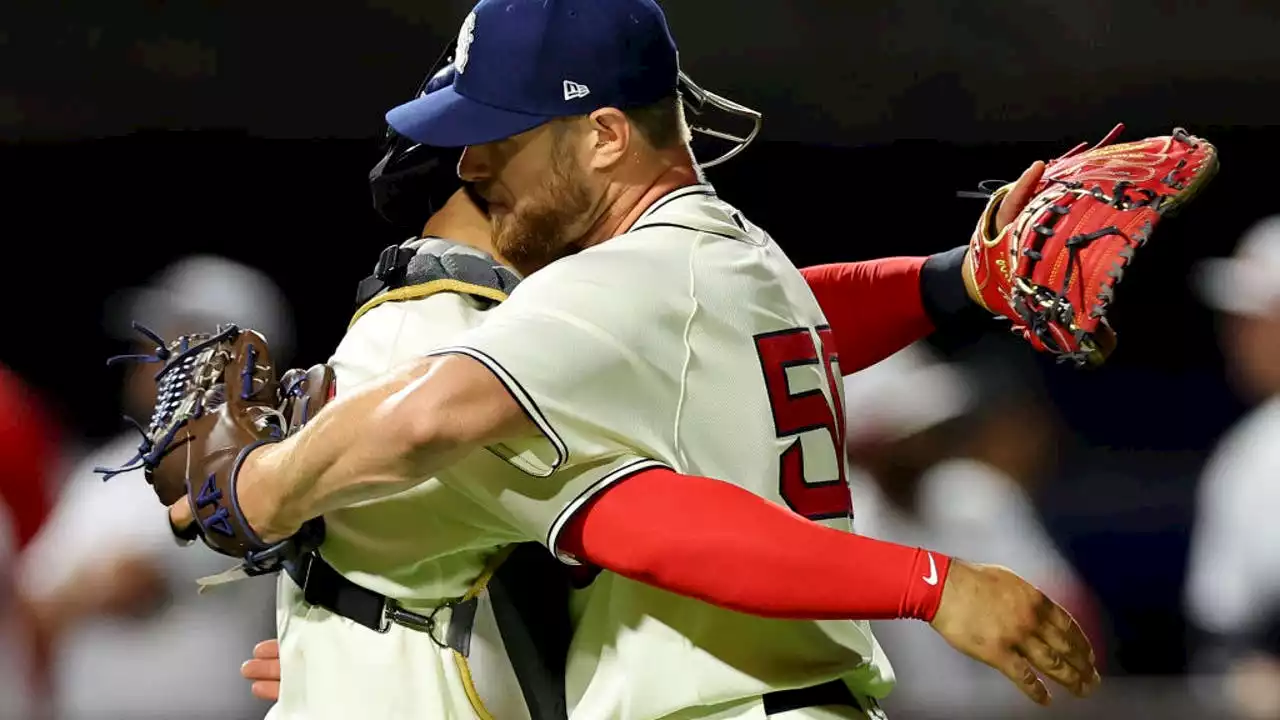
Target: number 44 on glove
point(1053, 269)
point(217, 398)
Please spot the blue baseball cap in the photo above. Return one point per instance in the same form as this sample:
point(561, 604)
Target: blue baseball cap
point(522, 63)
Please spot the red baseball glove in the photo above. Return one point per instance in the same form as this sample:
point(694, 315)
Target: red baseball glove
point(1053, 270)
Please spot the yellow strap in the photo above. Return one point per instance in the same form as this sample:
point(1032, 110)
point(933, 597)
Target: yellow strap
point(482, 581)
point(469, 686)
point(460, 660)
point(427, 289)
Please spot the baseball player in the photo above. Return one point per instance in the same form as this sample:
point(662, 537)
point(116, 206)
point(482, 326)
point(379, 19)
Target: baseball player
point(661, 332)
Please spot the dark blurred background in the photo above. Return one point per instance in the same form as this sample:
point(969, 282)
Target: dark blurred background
point(137, 132)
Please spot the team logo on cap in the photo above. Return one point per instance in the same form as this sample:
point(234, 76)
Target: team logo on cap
point(465, 37)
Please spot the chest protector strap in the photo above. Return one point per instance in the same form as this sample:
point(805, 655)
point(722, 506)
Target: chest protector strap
point(420, 268)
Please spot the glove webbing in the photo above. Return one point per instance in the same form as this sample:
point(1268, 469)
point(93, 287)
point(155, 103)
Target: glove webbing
point(1039, 305)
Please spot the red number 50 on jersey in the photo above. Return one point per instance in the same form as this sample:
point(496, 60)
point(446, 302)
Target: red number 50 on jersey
point(795, 413)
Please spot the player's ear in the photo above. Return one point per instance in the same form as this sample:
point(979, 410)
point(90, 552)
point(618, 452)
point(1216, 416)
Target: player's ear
point(611, 137)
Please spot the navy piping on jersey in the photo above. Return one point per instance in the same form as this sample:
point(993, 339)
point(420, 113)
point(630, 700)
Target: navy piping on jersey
point(676, 195)
point(567, 512)
point(521, 396)
point(686, 227)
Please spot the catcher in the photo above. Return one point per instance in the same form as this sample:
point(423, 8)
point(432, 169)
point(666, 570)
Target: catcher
point(972, 606)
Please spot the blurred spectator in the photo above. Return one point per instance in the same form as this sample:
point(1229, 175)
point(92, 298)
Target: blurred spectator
point(1233, 585)
point(30, 452)
point(115, 596)
point(945, 456)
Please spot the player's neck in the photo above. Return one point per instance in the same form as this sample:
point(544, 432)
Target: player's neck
point(462, 222)
point(627, 200)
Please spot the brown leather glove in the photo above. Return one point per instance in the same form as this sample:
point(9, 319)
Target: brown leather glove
point(217, 399)
point(304, 393)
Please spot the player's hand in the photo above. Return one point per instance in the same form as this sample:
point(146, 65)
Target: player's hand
point(180, 517)
point(1010, 206)
point(1021, 193)
point(263, 670)
point(990, 614)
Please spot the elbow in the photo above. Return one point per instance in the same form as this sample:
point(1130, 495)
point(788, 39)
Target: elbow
point(415, 435)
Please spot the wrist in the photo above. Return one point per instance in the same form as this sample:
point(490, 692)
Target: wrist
point(970, 284)
point(958, 582)
point(261, 486)
point(948, 291)
point(928, 582)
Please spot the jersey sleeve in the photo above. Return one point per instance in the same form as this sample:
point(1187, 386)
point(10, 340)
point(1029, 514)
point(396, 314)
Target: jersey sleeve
point(595, 356)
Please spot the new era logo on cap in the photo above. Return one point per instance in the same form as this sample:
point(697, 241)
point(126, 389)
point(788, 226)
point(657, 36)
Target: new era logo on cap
point(573, 90)
point(522, 63)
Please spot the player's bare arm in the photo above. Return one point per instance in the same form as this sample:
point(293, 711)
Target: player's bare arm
point(375, 441)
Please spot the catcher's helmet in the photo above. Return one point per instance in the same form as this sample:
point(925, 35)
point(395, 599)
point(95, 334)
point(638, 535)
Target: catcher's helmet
point(413, 180)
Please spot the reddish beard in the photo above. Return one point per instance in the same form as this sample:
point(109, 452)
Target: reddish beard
point(538, 233)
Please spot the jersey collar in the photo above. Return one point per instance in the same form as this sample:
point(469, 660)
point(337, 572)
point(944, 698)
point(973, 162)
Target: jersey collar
point(687, 190)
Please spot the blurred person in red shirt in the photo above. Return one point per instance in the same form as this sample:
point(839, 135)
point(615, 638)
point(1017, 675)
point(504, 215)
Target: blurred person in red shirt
point(1233, 581)
point(30, 452)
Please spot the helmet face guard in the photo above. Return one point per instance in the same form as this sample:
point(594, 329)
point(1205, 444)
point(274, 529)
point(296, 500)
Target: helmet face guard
point(698, 101)
point(413, 180)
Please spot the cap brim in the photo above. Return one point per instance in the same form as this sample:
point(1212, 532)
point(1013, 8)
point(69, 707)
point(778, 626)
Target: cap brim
point(445, 118)
point(1231, 286)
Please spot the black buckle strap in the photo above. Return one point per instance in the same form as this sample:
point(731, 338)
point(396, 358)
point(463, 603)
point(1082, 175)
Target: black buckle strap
point(326, 587)
point(389, 272)
point(832, 692)
point(392, 262)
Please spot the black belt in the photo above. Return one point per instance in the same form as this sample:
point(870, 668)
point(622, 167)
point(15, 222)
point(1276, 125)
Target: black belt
point(326, 587)
point(832, 692)
point(323, 586)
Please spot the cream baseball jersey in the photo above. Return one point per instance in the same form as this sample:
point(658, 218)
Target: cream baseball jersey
point(422, 546)
point(690, 342)
point(429, 542)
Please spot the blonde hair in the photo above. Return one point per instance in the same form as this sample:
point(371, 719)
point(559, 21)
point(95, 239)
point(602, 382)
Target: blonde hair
point(662, 123)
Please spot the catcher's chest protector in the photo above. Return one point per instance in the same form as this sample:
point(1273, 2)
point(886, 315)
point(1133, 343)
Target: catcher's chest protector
point(423, 267)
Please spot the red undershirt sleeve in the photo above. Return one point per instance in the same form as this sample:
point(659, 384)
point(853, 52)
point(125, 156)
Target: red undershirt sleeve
point(875, 308)
point(713, 541)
